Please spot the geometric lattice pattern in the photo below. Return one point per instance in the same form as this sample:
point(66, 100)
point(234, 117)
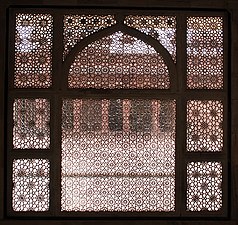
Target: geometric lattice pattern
point(30, 185)
point(204, 191)
point(162, 28)
point(33, 51)
point(118, 155)
point(204, 125)
point(205, 52)
point(77, 27)
point(31, 124)
point(119, 61)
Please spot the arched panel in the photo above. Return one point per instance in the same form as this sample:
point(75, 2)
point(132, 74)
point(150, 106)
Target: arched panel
point(119, 61)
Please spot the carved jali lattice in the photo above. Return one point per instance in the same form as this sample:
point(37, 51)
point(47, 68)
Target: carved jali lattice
point(31, 124)
point(77, 27)
point(118, 155)
point(204, 181)
point(204, 125)
point(33, 51)
point(30, 185)
point(119, 61)
point(162, 28)
point(205, 52)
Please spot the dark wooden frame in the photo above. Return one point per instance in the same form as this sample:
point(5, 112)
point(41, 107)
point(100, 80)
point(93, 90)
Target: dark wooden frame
point(228, 215)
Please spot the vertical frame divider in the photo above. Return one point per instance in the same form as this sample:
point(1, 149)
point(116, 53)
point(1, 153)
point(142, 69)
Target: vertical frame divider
point(57, 54)
point(56, 113)
point(181, 113)
point(9, 110)
point(227, 172)
point(55, 186)
point(3, 87)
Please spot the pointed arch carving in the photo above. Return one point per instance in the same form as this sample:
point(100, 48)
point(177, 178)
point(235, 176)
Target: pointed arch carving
point(164, 59)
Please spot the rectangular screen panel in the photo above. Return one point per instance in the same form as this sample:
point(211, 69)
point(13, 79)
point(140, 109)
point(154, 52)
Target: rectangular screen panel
point(31, 185)
point(31, 128)
point(33, 51)
point(205, 52)
point(204, 126)
point(204, 186)
point(118, 155)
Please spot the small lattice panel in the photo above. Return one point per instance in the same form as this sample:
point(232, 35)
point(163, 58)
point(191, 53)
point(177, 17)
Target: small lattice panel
point(162, 28)
point(77, 27)
point(118, 155)
point(119, 61)
point(31, 128)
point(33, 51)
point(205, 52)
point(204, 126)
point(30, 185)
point(204, 181)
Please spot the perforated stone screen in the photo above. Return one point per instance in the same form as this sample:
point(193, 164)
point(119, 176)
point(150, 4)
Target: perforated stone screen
point(118, 155)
